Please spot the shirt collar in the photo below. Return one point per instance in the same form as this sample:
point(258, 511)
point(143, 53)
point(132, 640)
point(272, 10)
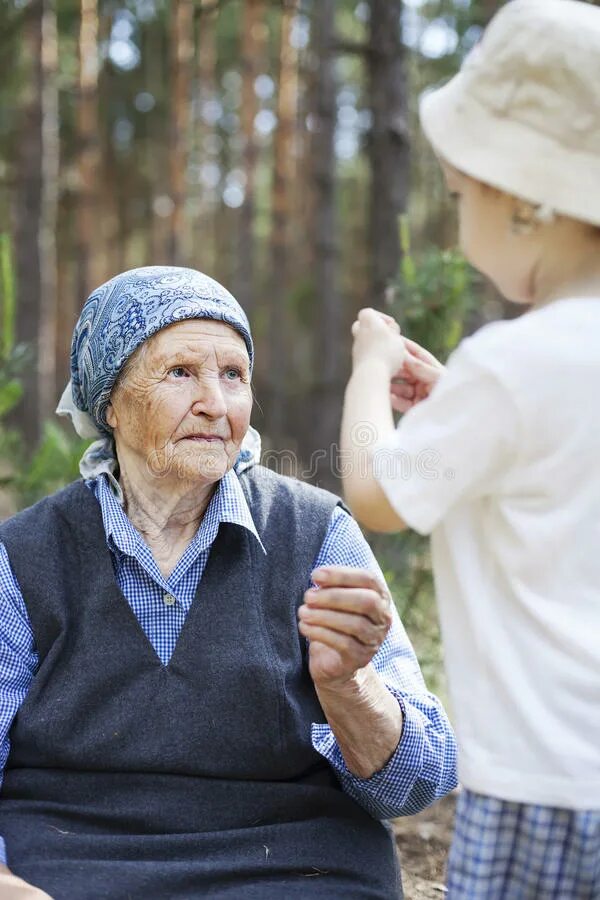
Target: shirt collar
point(228, 504)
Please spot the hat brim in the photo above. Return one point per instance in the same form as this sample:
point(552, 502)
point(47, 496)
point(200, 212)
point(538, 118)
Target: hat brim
point(510, 155)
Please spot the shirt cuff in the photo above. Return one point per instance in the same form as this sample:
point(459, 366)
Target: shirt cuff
point(385, 793)
point(3, 852)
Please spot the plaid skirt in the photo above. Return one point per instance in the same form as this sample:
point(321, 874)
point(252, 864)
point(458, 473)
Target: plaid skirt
point(517, 851)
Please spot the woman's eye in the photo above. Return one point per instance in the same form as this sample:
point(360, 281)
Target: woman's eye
point(233, 374)
point(178, 372)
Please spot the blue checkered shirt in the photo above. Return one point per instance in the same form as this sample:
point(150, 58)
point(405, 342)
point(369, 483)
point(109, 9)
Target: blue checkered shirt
point(423, 767)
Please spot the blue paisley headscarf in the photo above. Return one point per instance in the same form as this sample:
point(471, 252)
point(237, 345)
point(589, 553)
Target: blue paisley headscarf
point(127, 310)
point(118, 317)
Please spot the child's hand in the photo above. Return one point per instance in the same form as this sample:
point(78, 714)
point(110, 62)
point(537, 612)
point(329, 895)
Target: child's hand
point(377, 336)
point(416, 378)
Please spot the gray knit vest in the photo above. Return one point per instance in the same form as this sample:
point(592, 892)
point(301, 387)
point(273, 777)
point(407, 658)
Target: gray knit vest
point(131, 779)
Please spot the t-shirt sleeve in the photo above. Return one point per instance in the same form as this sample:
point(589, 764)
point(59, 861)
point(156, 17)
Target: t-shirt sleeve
point(457, 445)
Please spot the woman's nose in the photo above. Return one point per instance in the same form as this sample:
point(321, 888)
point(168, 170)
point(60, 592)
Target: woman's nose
point(210, 400)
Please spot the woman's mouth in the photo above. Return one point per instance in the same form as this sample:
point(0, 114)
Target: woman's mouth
point(206, 438)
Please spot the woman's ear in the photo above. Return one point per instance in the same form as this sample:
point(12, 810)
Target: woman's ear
point(111, 416)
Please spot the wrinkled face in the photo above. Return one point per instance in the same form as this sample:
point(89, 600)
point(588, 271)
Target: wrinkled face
point(487, 238)
point(183, 406)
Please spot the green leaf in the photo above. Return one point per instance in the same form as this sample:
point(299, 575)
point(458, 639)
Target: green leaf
point(10, 394)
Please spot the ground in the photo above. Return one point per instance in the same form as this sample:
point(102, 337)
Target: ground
point(423, 841)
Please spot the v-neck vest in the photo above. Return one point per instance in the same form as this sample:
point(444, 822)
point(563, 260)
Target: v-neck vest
point(129, 778)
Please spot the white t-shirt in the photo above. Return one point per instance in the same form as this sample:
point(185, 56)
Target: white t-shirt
point(501, 464)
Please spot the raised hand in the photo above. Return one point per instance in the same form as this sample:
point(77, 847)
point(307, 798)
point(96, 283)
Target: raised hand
point(377, 339)
point(416, 378)
point(346, 621)
point(416, 371)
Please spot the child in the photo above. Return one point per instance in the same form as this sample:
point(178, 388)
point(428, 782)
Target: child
point(499, 460)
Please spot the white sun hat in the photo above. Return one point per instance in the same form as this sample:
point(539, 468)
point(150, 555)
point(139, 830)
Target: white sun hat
point(523, 113)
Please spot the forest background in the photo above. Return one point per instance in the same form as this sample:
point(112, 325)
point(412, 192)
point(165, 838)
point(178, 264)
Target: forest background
point(273, 144)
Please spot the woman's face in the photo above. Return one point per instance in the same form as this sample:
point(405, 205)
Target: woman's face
point(183, 406)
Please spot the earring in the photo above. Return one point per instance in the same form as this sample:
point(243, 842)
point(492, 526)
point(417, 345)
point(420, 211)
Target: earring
point(527, 217)
point(523, 219)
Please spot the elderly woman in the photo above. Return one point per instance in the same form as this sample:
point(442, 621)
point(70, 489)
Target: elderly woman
point(182, 715)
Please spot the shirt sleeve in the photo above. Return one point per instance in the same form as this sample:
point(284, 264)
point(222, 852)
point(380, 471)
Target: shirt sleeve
point(18, 658)
point(456, 445)
point(423, 766)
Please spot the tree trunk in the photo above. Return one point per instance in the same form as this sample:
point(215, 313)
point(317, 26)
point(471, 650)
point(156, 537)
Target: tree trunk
point(330, 343)
point(208, 198)
point(27, 248)
point(156, 150)
point(284, 166)
point(254, 35)
point(88, 276)
point(37, 177)
point(49, 214)
point(388, 144)
point(182, 52)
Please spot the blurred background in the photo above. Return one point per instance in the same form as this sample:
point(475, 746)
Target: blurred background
point(274, 145)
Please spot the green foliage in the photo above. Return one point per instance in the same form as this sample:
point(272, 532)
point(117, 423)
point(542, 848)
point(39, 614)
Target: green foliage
point(55, 462)
point(10, 394)
point(10, 443)
point(11, 364)
point(7, 298)
point(434, 295)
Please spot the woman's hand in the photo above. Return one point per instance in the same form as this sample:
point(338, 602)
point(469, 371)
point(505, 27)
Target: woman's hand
point(346, 621)
point(14, 888)
point(415, 380)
